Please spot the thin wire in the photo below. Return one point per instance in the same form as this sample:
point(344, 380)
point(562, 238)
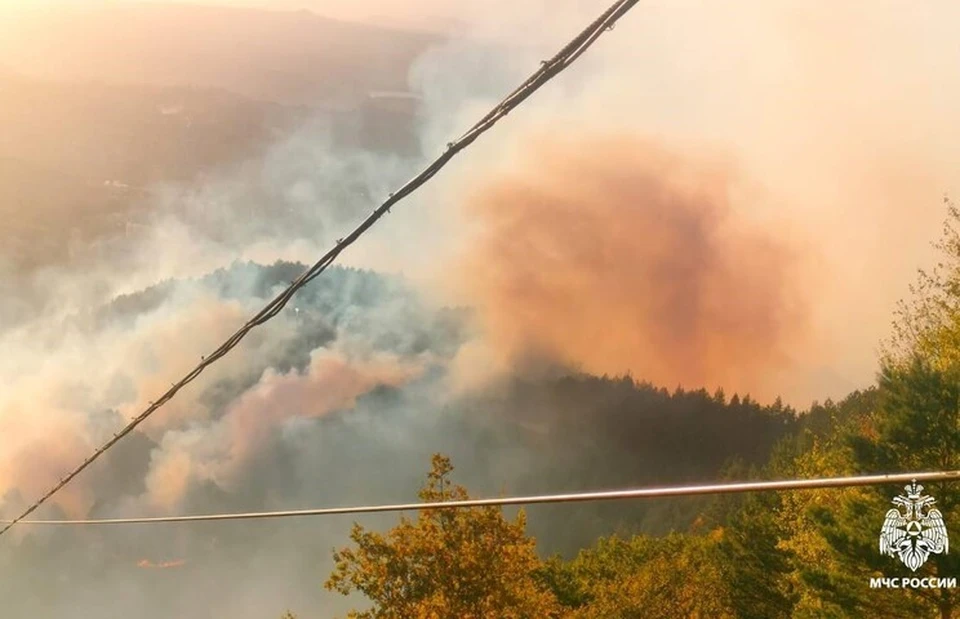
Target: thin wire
point(547, 71)
point(575, 497)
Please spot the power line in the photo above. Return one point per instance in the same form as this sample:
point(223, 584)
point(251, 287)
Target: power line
point(548, 70)
point(575, 497)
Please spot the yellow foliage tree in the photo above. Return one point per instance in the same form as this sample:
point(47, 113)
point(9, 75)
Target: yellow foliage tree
point(451, 563)
point(673, 576)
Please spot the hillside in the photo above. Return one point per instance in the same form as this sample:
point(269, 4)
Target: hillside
point(562, 431)
point(292, 58)
point(545, 434)
point(100, 106)
point(77, 160)
point(132, 134)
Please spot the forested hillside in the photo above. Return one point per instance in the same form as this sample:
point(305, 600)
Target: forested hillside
point(787, 554)
point(559, 431)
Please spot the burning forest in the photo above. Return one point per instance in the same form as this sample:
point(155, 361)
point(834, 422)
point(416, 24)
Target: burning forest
point(676, 263)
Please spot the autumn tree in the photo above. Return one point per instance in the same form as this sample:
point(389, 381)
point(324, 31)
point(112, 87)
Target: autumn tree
point(913, 425)
point(467, 563)
point(753, 564)
point(672, 576)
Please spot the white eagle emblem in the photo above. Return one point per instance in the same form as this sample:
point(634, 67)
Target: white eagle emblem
point(916, 532)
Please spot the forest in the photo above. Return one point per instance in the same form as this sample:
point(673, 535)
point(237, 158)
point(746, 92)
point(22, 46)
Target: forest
point(809, 553)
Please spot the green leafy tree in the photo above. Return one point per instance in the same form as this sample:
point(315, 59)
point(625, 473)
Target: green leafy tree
point(914, 426)
point(451, 563)
point(927, 323)
point(915, 429)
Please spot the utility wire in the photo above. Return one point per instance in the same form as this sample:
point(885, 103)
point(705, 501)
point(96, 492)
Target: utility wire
point(575, 497)
point(548, 70)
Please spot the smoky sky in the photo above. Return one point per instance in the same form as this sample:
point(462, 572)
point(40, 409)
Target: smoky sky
point(613, 254)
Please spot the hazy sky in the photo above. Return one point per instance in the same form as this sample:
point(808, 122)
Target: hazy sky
point(398, 11)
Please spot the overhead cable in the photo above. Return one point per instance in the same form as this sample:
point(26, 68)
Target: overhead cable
point(573, 497)
point(547, 71)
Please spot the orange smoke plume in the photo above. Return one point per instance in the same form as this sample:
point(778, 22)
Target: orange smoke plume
point(615, 256)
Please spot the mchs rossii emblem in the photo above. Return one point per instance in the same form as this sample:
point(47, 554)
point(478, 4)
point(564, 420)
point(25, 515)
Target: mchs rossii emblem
point(914, 529)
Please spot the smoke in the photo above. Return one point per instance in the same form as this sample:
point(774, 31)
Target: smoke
point(835, 126)
point(615, 255)
point(221, 451)
point(108, 367)
point(712, 196)
point(251, 433)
